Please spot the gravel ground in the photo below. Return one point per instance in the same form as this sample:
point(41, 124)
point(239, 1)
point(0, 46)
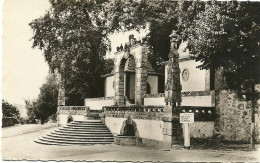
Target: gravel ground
point(17, 144)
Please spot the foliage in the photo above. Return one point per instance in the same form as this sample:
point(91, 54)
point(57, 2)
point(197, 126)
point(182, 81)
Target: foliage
point(32, 115)
point(9, 110)
point(69, 33)
point(220, 34)
point(226, 35)
point(46, 103)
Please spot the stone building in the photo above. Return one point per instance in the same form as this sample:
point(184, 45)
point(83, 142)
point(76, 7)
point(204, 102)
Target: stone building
point(137, 110)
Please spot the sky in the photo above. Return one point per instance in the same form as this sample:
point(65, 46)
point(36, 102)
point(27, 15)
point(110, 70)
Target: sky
point(23, 68)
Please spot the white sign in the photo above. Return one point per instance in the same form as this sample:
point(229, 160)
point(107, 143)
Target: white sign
point(186, 117)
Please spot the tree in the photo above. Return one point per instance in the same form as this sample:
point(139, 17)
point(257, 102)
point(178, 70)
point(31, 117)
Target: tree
point(46, 103)
point(222, 35)
point(32, 113)
point(11, 114)
point(69, 34)
point(9, 110)
point(226, 35)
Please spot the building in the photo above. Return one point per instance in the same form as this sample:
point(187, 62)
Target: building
point(136, 109)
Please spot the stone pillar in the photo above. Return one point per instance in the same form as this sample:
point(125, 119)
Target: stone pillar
point(119, 89)
point(141, 77)
point(172, 96)
point(207, 80)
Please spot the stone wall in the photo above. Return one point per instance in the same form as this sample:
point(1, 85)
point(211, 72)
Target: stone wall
point(153, 81)
point(234, 117)
point(98, 103)
point(201, 129)
point(193, 98)
point(197, 79)
point(77, 113)
point(109, 86)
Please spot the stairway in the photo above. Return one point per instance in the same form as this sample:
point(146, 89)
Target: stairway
point(79, 133)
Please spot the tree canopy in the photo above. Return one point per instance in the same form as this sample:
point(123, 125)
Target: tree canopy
point(9, 110)
point(69, 33)
point(220, 34)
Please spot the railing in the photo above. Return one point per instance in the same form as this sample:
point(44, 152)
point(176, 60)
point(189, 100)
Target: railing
point(155, 95)
point(100, 98)
point(73, 110)
point(184, 94)
point(134, 108)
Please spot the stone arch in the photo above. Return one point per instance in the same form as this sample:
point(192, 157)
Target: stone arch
point(126, 124)
point(120, 78)
point(139, 54)
point(69, 119)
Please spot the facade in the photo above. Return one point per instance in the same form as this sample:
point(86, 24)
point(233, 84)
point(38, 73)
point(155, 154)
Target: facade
point(141, 107)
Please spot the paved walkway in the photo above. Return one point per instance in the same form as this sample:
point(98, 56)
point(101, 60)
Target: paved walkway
point(21, 147)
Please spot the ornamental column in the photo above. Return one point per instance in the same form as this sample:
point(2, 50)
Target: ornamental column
point(172, 128)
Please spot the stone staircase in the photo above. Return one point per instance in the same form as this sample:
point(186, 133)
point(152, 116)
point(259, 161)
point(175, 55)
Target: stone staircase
point(79, 133)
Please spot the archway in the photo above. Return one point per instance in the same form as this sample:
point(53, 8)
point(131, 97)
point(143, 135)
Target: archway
point(129, 128)
point(69, 119)
point(136, 67)
point(126, 81)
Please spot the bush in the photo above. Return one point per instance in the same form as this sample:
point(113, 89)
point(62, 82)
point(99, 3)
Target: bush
point(9, 121)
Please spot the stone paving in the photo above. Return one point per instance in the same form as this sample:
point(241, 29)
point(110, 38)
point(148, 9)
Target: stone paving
point(20, 146)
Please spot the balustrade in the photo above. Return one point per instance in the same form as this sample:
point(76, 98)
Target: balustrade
point(73, 110)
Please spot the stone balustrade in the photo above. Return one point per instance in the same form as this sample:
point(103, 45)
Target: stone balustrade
point(157, 112)
point(184, 94)
point(135, 112)
point(155, 95)
point(100, 98)
point(73, 110)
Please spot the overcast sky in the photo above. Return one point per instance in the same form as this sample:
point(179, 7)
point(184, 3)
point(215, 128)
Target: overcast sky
point(23, 68)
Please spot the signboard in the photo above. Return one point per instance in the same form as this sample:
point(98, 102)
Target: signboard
point(186, 117)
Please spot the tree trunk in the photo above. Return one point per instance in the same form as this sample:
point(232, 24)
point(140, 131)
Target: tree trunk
point(253, 124)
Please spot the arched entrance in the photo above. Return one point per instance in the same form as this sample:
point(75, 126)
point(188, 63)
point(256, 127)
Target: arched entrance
point(127, 81)
point(131, 77)
point(69, 119)
point(129, 128)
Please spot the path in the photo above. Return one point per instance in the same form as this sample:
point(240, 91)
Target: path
point(18, 147)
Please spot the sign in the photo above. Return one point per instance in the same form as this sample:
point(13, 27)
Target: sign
point(186, 117)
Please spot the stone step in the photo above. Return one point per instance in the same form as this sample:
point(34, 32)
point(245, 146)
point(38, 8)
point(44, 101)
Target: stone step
point(86, 132)
point(82, 133)
point(85, 124)
point(84, 127)
point(100, 134)
point(60, 142)
point(83, 130)
point(87, 121)
point(81, 136)
point(93, 139)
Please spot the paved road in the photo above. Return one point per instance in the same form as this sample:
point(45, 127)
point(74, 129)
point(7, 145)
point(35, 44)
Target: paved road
point(21, 147)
